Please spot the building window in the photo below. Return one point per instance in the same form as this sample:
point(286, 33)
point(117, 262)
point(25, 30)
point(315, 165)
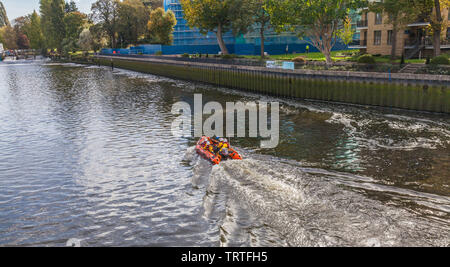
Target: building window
point(377, 38)
point(378, 18)
point(389, 37)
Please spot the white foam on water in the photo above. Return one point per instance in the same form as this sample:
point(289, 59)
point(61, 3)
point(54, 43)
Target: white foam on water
point(323, 210)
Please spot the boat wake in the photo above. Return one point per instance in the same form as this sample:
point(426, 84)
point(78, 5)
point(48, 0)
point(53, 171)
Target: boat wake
point(263, 201)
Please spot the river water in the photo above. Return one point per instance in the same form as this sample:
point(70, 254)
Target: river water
point(86, 155)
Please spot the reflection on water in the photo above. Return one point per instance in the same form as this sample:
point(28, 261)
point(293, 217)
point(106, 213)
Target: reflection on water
point(87, 153)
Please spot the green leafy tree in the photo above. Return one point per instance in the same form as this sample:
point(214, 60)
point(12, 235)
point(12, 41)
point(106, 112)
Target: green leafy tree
point(100, 38)
point(132, 22)
point(44, 10)
point(57, 22)
point(34, 32)
point(218, 16)
point(75, 22)
point(105, 13)
point(161, 26)
point(318, 20)
point(52, 22)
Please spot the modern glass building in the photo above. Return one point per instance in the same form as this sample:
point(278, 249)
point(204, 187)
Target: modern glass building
point(184, 35)
point(189, 40)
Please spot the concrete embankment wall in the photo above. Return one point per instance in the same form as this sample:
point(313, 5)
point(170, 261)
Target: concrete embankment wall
point(406, 91)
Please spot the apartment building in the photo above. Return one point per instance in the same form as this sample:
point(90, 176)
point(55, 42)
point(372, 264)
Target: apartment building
point(412, 41)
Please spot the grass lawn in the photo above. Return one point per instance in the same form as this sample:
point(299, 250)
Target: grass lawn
point(316, 56)
point(336, 56)
point(388, 60)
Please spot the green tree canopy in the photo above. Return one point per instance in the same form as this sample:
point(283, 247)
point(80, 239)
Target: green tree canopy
point(52, 22)
point(318, 20)
point(105, 13)
point(161, 26)
point(218, 16)
point(132, 22)
point(34, 32)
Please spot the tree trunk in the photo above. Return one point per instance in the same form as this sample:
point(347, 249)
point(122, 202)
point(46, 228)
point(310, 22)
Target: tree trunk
point(437, 29)
point(262, 41)
point(327, 54)
point(222, 45)
point(437, 42)
point(394, 43)
point(112, 39)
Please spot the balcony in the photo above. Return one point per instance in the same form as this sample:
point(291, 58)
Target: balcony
point(421, 22)
point(362, 24)
point(358, 44)
point(414, 42)
point(445, 44)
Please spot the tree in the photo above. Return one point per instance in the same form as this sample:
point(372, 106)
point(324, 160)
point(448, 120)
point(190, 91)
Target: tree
point(75, 22)
point(399, 14)
point(218, 16)
point(86, 42)
point(437, 22)
point(105, 13)
point(99, 37)
point(133, 19)
point(57, 22)
point(23, 42)
point(52, 22)
point(161, 26)
point(9, 37)
point(34, 32)
point(70, 7)
point(44, 10)
point(319, 20)
point(153, 4)
point(261, 18)
point(347, 32)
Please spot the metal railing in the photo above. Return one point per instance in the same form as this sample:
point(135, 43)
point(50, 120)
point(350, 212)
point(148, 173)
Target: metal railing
point(355, 43)
point(362, 23)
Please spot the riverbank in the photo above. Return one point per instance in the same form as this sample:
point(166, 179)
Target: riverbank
point(419, 92)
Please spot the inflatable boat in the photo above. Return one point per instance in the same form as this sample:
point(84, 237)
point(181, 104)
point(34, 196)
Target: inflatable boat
point(215, 159)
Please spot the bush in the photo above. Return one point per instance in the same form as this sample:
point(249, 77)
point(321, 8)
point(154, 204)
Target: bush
point(185, 55)
point(159, 53)
point(299, 60)
point(366, 59)
point(440, 60)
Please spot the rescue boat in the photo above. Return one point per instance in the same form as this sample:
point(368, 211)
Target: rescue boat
point(213, 158)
